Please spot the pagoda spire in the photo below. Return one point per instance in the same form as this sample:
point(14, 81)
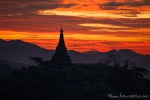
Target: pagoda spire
point(61, 56)
point(61, 44)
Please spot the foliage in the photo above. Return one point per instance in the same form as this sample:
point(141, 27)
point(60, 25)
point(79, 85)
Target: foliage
point(5, 71)
point(40, 62)
point(77, 82)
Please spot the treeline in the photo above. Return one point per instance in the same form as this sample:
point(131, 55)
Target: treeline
point(76, 82)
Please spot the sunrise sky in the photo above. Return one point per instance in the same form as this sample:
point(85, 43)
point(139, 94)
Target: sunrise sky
point(100, 25)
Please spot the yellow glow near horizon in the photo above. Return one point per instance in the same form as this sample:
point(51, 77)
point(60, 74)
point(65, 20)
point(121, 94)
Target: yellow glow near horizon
point(12, 35)
point(143, 30)
point(49, 41)
point(93, 14)
point(25, 35)
point(73, 13)
point(101, 25)
point(102, 37)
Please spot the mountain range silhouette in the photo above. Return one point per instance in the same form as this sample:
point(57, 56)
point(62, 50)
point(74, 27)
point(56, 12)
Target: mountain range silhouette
point(20, 51)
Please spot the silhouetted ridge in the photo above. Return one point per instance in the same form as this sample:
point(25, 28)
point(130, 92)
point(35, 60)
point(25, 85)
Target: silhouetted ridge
point(11, 64)
point(21, 51)
point(91, 52)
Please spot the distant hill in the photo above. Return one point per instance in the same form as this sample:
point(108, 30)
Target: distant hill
point(91, 52)
point(12, 64)
point(19, 51)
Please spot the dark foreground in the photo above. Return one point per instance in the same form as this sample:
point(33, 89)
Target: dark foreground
point(78, 82)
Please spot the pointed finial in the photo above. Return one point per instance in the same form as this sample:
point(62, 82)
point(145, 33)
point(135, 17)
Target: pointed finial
point(61, 30)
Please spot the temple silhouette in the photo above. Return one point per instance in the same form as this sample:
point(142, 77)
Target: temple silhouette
point(61, 56)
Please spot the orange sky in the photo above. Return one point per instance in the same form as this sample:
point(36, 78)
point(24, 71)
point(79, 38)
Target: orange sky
point(100, 25)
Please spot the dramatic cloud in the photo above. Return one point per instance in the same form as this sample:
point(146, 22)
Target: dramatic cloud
point(19, 7)
point(128, 8)
point(111, 5)
point(74, 25)
point(40, 23)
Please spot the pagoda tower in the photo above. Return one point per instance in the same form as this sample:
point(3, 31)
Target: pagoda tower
point(61, 56)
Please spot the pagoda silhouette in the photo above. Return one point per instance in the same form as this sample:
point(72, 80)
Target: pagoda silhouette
point(61, 56)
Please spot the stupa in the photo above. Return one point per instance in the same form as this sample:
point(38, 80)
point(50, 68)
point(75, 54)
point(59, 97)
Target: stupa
point(61, 56)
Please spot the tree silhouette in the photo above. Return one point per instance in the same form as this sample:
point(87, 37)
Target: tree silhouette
point(40, 62)
point(79, 82)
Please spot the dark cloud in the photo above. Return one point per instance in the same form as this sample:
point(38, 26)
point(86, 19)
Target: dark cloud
point(29, 6)
point(68, 5)
point(114, 5)
point(85, 5)
point(109, 42)
point(111, 5)
point(129, 13)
